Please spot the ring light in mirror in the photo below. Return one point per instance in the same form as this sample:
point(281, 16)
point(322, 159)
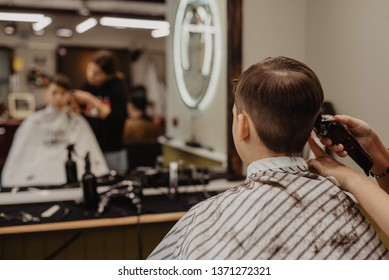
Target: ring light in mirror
point(197, 51)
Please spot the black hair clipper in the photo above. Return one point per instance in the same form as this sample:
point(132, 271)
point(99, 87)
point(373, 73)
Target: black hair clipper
point(327, 127)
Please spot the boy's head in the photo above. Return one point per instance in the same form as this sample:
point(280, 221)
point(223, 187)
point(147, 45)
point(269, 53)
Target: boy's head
point(57, 93)
point(281, 97)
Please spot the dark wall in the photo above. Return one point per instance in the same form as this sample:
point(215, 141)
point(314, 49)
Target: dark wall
point(72, 61)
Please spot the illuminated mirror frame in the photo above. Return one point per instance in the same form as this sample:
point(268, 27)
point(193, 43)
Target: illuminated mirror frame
point(215, 51)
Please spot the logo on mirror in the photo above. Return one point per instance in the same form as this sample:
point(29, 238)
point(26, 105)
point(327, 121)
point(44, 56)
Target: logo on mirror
point(197, 51)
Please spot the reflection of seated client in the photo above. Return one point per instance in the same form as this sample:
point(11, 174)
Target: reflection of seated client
point(140, 132)
point(38, 152)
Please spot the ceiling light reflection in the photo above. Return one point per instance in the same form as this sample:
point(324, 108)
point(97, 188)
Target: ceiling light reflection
point(158, 33)
point(42, 24)
point(86, 25)
point(22, 17)
point(134, 23)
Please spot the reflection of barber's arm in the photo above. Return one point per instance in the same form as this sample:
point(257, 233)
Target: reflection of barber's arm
point(84, 97)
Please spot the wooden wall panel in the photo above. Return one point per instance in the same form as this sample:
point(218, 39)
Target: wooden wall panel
point(93, 244)
point(234, 11)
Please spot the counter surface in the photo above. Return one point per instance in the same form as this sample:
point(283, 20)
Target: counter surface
point(157, 207)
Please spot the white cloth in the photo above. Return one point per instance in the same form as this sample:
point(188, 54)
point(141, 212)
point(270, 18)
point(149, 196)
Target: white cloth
point(38, 152)
point(282, 211)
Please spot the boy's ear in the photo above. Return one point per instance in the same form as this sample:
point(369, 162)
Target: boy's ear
point(243, 127)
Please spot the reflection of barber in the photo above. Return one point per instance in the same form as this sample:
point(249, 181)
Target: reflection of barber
point(371, 197)
point(105, 107)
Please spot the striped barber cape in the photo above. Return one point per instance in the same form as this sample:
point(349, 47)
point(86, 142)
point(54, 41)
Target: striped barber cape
point(281, 211)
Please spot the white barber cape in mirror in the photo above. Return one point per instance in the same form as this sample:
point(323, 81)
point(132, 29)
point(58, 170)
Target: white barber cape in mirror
point(38, 153)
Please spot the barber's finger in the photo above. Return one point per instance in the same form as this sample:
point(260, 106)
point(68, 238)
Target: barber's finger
point(326, 141)
point(348, 121)
point(336, 148)
point(317, 151)
point(339, 149)
point(342, 153)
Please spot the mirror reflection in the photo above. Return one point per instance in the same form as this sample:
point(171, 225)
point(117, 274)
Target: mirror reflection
point(195, 44)
point(41, 39)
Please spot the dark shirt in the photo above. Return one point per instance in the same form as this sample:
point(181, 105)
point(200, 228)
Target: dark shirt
point(109, 131)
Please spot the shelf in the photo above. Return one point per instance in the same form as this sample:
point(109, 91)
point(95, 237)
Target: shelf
point(201, 152)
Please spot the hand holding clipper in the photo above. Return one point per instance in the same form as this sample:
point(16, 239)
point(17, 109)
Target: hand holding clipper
point(326, 126)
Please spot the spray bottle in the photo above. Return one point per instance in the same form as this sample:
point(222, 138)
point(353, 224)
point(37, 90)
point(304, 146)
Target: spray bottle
point(89, 186)
point(71, 167)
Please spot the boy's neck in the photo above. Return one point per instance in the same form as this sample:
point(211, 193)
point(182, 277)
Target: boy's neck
point(263, 152)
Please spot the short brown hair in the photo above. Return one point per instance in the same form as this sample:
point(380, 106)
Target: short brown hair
point(283, 97)
point(61, 80)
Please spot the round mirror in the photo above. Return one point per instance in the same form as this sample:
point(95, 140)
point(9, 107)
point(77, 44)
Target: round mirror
point(197, 51)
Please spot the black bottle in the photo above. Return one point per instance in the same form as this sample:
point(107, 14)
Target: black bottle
point(89, 186)
point(71, 167)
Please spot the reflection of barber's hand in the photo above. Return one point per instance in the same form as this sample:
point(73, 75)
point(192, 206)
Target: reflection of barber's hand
point(84, 97)
point(94, 107)
point(85, 103)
